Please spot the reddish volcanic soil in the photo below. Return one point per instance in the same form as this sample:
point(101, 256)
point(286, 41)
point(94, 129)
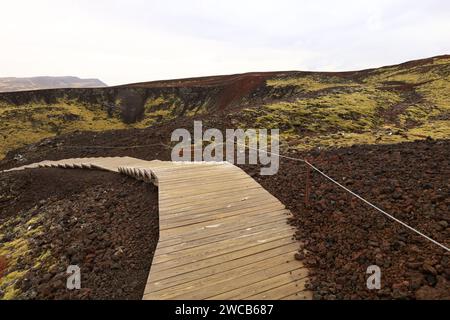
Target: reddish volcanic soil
point(341, 236)
point(105, 223)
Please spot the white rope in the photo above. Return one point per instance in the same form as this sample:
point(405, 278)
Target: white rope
point(354, 194)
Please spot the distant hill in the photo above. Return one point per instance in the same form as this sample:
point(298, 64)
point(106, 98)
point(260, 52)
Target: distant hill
point(391, 104)
point(20, 84)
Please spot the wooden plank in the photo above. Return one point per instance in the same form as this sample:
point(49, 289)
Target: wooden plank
point(195, 235)
point(208, 189)
point(209, 290)
point(226, 200)
point(197, 178)
point(302, 295)
point(212, 193)
point(263, 286)
point(194, 217)
point(224, 208)
point(217, 206)
point(204, 182)
point(245, 273)
point(282, 291)
point(218, 237)
point(229, 222)
point(248, 261)
point(156, 275)
point(220, 247)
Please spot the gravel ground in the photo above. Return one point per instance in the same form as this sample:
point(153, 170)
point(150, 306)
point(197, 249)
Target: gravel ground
point(341, 236)
point(105, 223)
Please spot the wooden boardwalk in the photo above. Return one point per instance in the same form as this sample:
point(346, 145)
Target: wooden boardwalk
point(222, 236)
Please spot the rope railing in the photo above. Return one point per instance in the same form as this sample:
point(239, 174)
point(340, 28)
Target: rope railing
point(294, 159)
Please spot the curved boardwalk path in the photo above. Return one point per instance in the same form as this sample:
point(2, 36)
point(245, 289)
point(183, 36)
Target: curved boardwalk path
point(222, 236)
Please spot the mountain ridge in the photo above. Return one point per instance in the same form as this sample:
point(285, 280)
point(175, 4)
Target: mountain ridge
point(17, 84)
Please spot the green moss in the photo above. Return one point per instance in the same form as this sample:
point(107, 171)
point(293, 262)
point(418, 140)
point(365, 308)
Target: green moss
point(435, 129)
point(161, 108)
point(202, 109)
point(437, 92)
point(353, 117)
point(12, 251)
point(338, 111)
point(34, 232)
point(21, 125)
point(8, 284)
point(434, 70)
point(19, 249)
point(33, 220)
point(346, 117)
point(151, 103)
point(43, 259)
point(309, 83)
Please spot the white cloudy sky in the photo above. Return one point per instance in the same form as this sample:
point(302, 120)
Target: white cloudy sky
point(126, 41)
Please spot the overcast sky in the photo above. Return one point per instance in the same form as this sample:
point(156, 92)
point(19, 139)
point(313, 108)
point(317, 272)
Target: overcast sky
point(127, 41)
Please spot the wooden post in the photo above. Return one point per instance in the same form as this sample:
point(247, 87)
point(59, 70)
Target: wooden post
point(307, 186)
